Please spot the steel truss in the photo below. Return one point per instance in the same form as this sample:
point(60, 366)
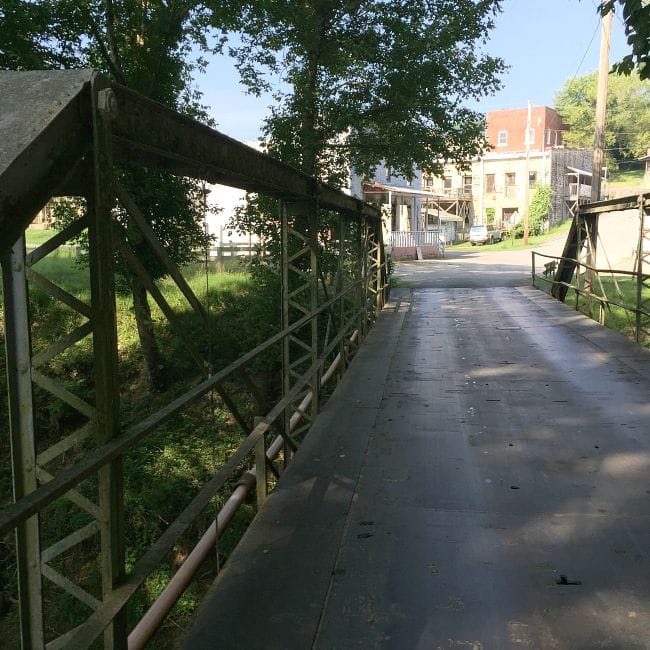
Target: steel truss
point(334, 285)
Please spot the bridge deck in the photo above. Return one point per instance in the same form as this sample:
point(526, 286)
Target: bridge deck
point(484, 443)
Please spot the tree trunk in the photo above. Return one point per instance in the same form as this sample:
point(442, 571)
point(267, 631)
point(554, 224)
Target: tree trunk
point(148, 345)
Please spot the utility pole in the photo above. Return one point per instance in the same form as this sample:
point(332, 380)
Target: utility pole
point(591, 225)
point(601, 105)
point(527, 175)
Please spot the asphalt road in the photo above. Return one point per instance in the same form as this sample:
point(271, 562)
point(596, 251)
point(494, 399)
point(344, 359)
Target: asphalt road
point(482, 266)
point(478, 267)
point(479, 479)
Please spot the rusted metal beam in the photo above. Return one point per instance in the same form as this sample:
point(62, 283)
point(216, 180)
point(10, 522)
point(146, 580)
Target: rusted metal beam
point(146, 132)
point(613, 205)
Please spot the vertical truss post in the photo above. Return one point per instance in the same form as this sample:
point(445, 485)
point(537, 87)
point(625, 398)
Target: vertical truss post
point(286, 341)
point(365, 251)
point(591, 229)
point(340, 281)
point(379, 268)
point(102, 282)
point(313, 291)
point(23, 449)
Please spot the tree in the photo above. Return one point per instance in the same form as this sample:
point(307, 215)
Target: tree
point(538, 211)
point(636, 14)
point(365, 81)
point(147, 46)
point(28, 37)
point(628, 114)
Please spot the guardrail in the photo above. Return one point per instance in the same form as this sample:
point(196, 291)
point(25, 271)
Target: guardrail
point(589, 291)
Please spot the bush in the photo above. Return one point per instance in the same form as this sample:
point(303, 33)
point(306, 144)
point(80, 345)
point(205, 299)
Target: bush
point(538, 211)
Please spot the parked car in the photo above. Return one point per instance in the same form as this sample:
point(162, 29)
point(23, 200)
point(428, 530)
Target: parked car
point(484, 235)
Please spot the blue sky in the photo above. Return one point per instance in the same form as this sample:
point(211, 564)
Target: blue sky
point(545, 42)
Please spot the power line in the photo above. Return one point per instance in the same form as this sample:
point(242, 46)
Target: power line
point(584, 56)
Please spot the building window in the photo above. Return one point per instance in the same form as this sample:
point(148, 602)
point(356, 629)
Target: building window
point(428, 181)
point(467, 184)
point(548, 136)
point(489, 183)
point(532, 179)
point(531, 136)
point(503, 138)
point(447, 184)
point(510, 179)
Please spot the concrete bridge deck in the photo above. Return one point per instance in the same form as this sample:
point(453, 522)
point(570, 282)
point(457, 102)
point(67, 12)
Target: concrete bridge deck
point(485, 447)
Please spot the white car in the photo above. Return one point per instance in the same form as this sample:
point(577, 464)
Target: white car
point(483, 235)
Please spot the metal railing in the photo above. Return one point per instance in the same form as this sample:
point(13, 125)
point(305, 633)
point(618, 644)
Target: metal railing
point(333, 284)
point(593, 291)
point(409, 239)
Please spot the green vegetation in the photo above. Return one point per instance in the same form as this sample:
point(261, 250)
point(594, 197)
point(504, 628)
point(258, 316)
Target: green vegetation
point(620, 292)
point(512, 243)
point(37, 236)
point(165, 471)
point(628, 115)
point(370, 70)
point(540, 206)
point(626, 177)
point(636, 16)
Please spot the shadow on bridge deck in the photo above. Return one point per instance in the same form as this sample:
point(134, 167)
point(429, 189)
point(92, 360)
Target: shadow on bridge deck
point(483, 444)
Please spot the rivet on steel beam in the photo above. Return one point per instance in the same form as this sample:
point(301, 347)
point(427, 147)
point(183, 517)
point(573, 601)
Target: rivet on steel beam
point(107, 102)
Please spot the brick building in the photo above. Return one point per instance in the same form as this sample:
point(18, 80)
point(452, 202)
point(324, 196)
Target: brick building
point(506, 130)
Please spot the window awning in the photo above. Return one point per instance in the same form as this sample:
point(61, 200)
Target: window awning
point(445, 216)
point(396, 189)
point(582, 172)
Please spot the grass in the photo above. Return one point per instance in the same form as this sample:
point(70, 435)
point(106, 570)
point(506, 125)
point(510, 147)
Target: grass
point(626, 178)
point(622, 291)
point(518, 244)
point(36, 236)
point(621, 294)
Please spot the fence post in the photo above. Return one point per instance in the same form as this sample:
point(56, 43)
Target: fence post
point(533, 265)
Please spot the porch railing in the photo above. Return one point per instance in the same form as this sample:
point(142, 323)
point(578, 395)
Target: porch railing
point(407, 239)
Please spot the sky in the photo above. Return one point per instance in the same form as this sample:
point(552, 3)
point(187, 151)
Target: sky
point(545, 42)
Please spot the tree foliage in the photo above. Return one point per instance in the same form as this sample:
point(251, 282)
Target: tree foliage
point(628, 114)
point(364, 81)
point(538, 211)
point(636, 15)
point(148, 46)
